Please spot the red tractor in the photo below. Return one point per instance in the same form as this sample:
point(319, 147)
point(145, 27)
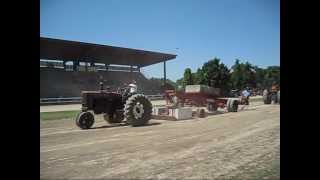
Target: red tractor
point(118, 107)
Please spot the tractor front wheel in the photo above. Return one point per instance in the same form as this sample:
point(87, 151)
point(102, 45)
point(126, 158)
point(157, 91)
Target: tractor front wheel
point(85, 120)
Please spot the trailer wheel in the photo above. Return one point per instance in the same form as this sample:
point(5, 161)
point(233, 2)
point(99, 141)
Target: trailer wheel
point(266, 97)
point(232, 105)
point(201, 113)
point(85, 120)
point(137, 110)
point(212, 107)
point(246, 101)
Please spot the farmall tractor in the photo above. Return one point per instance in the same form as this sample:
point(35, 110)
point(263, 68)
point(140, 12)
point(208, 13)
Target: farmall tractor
point(118, 107)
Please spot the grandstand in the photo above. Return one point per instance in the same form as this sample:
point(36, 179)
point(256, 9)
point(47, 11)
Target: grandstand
point(62, 74)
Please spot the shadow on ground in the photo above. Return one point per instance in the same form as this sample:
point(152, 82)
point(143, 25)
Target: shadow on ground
point(120, 125)
point(195, 116)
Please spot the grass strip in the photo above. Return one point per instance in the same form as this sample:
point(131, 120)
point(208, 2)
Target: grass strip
point(58, 115)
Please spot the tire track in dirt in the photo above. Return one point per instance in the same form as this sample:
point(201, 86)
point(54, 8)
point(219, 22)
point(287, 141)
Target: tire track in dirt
point(179, 158)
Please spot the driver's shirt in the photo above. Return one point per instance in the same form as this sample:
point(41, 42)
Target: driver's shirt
point(245, 93)
point(133, 88)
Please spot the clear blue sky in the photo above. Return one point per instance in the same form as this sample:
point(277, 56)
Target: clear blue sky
point(201, 30)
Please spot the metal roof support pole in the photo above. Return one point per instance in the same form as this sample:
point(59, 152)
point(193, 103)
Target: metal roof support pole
point(107, 67)
point(138, 68)
point(64, 65)
point(164, 75)
point(131, 74)
point(75, 64)
point(86, 66)
point(92, 66)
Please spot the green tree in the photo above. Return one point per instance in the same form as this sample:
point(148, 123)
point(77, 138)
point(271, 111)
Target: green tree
point(249, 75)
point(200, 77)
point(224, 77)
point(158, 82)
point(179, 82)
point(243, 75)
point(272, 74)
point(236, 79)
point(259, 76)
point(215, 74)
point(187, 77)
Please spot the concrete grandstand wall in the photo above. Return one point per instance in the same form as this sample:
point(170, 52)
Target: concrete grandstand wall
point(60, 83)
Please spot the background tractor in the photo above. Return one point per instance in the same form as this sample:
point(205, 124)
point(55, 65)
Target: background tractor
point(272, 95)
point(118, 107)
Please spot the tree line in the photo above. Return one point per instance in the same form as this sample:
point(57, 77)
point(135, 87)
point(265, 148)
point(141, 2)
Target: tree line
point(241, 75)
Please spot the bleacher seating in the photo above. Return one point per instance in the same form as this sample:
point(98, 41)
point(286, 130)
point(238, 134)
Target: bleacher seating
point(61, 83)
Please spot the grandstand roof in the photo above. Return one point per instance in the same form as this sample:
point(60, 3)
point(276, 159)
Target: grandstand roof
point(56, 49)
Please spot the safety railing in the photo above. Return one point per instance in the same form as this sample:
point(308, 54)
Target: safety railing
point(44, 101)
point(60, 100)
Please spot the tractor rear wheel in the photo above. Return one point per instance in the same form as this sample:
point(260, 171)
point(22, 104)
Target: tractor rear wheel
point(274, 98)
point(267, 99)
point(85, 120)
point(137, 110)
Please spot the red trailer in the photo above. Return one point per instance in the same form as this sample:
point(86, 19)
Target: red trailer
point(212, 101)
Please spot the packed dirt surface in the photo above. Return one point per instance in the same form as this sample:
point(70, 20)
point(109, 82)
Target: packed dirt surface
point(241, 145)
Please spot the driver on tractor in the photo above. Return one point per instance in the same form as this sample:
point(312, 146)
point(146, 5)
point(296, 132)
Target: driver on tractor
point(245, 94)
point(133, 87)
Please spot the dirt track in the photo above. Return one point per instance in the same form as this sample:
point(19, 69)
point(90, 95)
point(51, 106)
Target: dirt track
point(77, 107)
point(242, 145)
